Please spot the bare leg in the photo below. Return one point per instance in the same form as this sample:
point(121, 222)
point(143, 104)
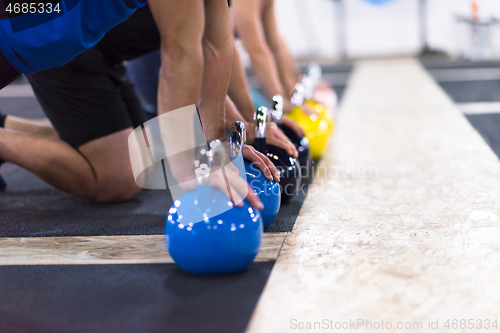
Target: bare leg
point(28, 126)
point(239, 90)
point(99, 170)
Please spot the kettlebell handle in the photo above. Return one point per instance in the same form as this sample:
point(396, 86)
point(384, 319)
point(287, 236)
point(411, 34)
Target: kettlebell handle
point(309, 86)
point(298, 95)
point(260, 118)
point(204, 162)
point(276, 113)
point(237, 138)
point(315, 72)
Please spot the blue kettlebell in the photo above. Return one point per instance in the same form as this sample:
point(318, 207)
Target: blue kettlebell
point(205, 233)
point(288, 166)
point(268, 191)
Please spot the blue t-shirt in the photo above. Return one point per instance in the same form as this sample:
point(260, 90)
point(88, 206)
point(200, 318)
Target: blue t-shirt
point(37, 41)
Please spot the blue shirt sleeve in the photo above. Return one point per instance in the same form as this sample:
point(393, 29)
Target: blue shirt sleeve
point(39, 41)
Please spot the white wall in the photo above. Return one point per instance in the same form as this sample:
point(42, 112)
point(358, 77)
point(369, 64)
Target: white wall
point(309, 26)
point(377, 30)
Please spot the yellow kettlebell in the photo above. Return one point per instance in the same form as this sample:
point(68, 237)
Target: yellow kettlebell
point(320, 108)
point(315, 127)
point(306, 89)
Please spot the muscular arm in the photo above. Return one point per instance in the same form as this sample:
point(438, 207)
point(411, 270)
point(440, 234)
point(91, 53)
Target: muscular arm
point(218, 55)
point(181, 52)
point(196, 50)
point(239, 91)
point(288, 71)
point(196, 59)
point(249, 26)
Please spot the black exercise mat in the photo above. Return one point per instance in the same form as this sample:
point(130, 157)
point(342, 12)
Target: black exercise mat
point(468, 91)
point(337, 68)
point(488, 126)
point(441, 63)
point(25, 107)
point(31, 208)
point(126, 298)
point(285, 220)
point(473, 91)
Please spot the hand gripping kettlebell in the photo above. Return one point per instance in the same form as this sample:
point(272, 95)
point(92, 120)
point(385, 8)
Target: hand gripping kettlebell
point(301, 143)
point(267, 190)
point(288, 166)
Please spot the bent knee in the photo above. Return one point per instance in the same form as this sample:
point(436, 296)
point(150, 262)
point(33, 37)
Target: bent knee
point(118, 193)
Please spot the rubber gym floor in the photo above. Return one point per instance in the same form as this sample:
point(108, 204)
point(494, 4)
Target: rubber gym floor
point(67, 265)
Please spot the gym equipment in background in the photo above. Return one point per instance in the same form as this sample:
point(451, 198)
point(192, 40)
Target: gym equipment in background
point(205, 233)
point(267, 190)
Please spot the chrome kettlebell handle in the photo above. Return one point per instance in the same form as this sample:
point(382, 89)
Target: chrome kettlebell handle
point(237, 138)
point(217, 150)
point(298, 95)
point(205, 161)
point(202, 165)
point(309, 86)
point(260, 118)
point(315, 72)
point(276, 112)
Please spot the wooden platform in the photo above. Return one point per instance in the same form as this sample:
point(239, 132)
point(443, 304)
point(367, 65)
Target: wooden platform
point(401, 223)
point(147, 249)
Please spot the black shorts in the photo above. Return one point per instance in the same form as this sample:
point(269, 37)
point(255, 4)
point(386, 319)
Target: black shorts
point(87, 99)
point(7, 72)
point(91, 96)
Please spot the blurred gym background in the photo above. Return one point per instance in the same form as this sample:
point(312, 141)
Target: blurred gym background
point(332, 30)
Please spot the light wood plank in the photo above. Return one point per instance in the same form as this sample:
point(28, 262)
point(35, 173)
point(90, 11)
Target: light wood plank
point(104, 250)
point(401, 222)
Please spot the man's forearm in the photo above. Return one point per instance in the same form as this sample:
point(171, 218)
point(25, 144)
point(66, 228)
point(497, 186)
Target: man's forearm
point(267, 73)
point(239, 90)
point(233, 115)
point(179, 83)
point(181, 52)
point(288, 71)
point(218, 54)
